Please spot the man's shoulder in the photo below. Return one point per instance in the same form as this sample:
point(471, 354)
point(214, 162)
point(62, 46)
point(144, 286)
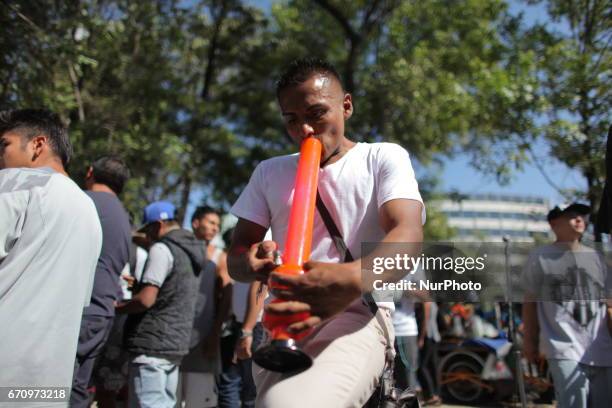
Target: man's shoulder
point(547, 249)
point(279, 161)
point(16, 179)
point(109, 204)
point(381, 147)
point(47, 184)
point(379, 154)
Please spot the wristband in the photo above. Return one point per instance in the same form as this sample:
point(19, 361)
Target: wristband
point(246, 333)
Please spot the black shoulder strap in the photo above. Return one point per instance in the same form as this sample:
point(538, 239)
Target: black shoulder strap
point(345, 254)
point(334, 232)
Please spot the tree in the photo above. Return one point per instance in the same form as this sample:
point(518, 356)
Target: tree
point(136, 79)
point(573, 68)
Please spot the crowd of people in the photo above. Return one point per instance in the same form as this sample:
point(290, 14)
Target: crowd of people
point(151, 314)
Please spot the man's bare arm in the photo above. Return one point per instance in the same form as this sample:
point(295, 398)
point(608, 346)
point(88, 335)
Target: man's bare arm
point(531, 328)
point(423, 331)
point(223, 295)
point(401, 220)
point(255, 305)
point(241, 260)
point(141, 302)
point(223, 304)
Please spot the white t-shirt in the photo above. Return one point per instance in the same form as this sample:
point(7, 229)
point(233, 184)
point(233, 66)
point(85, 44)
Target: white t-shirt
point(404, 318)
point(353, 189)
point(158, 265)
point(141, 259)
point(50, 241)
point(571, 317)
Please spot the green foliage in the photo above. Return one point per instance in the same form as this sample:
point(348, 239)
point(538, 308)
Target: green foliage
point(572, 63)
point(141, 80)
point(184, 91)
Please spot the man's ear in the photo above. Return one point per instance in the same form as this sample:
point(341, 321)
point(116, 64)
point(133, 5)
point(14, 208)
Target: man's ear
point(89, 173)
point(347, 105)
point(195, 224)
point(38, 145)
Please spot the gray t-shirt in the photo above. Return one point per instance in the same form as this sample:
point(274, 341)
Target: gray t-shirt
point(116, 241)
point(50, 240)
point(570, 287)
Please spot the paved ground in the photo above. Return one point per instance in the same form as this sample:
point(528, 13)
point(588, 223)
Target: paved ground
point(504, 405)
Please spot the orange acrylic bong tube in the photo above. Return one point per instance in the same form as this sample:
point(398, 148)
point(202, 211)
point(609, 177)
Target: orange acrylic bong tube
point(282, 354)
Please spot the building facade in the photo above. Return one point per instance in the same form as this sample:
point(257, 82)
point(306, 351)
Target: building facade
point(490, 217)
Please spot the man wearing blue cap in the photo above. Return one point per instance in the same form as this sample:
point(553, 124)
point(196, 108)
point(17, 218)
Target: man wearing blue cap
point(159, 327)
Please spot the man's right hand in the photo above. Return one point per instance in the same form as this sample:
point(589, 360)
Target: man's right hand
point(261, 259)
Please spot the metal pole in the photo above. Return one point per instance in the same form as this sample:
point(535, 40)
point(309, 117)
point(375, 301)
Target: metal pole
point(511, 329)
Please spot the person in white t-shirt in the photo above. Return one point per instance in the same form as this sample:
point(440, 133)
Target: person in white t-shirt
point(565, 313)
point(50, 240)
point(408, 339)
point(372, 195)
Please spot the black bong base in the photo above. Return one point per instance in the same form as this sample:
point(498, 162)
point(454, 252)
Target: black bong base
point(282, 356)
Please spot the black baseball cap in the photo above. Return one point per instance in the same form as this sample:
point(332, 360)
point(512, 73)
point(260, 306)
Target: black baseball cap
point(576, 208)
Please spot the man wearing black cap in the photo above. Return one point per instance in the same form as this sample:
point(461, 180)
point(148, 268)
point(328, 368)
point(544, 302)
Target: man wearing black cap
point(565, 312)
point(158, 330)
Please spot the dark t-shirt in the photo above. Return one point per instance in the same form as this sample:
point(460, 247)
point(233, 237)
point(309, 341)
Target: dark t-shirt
point(115, 254)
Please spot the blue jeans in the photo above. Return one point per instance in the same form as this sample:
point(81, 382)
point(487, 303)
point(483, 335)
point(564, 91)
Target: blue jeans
point(600, 385)
point(579, 385)
point(570, 382)
point(235, 382)
point(92, 338)
point(153, 384)
point(407, 361)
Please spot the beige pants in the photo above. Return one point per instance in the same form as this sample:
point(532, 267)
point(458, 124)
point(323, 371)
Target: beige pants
point(348, 358)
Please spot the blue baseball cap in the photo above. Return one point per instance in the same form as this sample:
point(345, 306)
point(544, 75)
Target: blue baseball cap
point(158, 211)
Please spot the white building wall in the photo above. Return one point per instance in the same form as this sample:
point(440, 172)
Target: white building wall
point(491, 219)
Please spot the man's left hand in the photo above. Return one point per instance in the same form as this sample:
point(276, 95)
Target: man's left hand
point(324, 290)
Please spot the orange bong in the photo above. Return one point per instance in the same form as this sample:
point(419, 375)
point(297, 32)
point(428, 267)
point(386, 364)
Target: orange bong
point(283, 354)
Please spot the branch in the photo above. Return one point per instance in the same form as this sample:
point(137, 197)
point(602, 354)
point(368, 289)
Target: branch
point(368, 14)
point(23, 17)
point(6, 83)
point(340, 18)
point(77, 91)
point(549, 180)
point(212, 51)
point(369, 22)
point(185, 194)
point(172, 187)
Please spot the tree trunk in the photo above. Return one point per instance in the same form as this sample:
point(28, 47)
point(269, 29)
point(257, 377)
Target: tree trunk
point(185, 194)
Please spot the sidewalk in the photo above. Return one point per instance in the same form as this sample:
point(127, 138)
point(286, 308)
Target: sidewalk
point(502, 405)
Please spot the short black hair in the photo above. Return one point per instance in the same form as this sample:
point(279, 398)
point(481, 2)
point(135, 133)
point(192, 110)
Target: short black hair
point(203, 211)
point(300, 70)
point(111, 171)
point(34, 122)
